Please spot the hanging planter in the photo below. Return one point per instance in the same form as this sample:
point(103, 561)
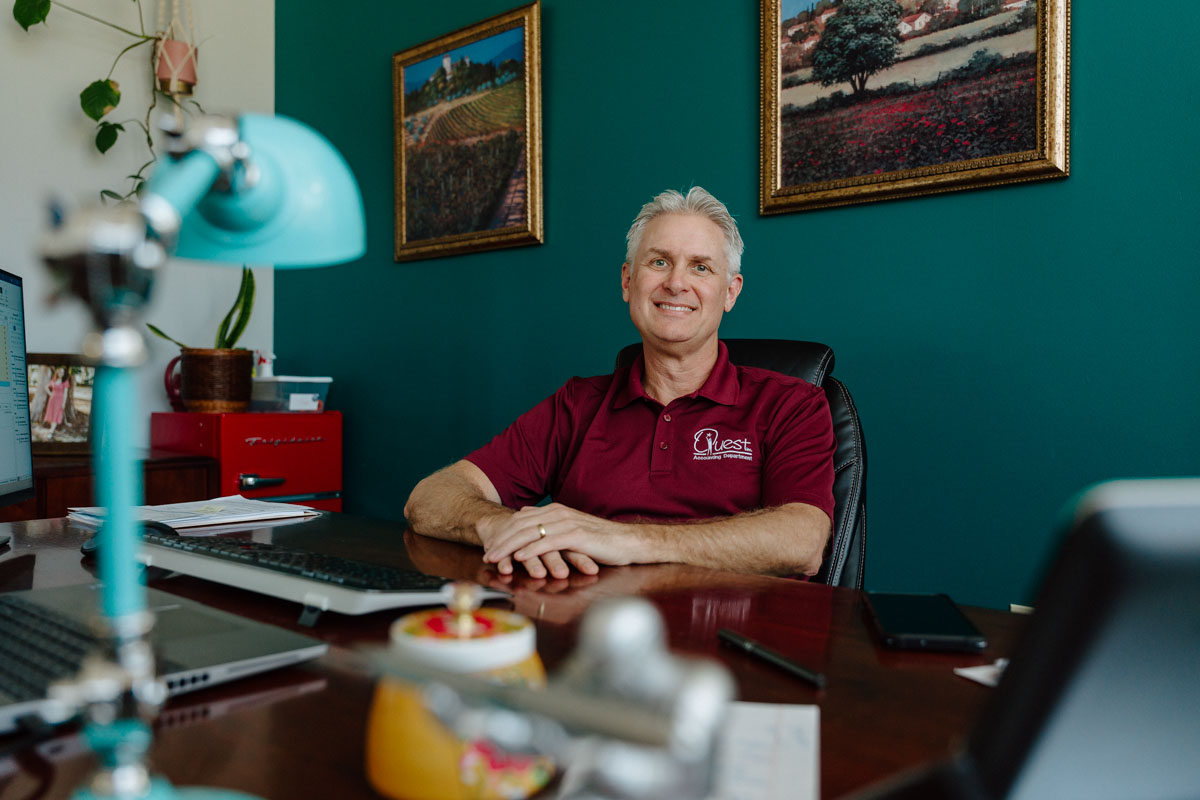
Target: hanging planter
point(175, 51)
point(175, 66)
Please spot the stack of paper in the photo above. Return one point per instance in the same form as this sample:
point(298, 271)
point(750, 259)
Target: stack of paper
point(221, 511)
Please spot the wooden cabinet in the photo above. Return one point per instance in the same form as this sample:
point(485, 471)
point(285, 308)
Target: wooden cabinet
point(61, 482)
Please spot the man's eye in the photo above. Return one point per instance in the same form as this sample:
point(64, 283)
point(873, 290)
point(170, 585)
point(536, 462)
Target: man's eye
point(703, 268)
point(659, 262)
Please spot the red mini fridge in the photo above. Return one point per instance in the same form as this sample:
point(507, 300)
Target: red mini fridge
point(287, 457)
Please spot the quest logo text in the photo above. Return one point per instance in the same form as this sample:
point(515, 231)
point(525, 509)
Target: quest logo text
point(707, 445)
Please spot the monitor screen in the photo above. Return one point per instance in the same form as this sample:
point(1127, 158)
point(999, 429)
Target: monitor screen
point(16, 456)
point(1102, 697)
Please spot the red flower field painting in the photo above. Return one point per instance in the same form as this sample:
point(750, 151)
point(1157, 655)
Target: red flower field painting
point(876, 90)
point(955, 120)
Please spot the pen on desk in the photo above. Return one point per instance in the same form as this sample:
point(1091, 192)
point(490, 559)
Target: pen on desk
point(771, 657)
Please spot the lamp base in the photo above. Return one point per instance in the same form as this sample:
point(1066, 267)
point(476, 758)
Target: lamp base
point(161, 789)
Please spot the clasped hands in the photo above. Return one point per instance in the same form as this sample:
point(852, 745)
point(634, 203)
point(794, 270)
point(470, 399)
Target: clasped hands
point(551, 539)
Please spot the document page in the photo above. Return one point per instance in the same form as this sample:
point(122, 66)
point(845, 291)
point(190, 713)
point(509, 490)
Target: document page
point(769, 752)
point(219, 511)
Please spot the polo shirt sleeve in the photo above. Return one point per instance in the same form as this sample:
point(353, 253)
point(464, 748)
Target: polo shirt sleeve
point(798, 466)
point(522, 460)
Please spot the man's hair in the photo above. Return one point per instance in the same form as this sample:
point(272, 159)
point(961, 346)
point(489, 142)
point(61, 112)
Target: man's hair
point(697, 201)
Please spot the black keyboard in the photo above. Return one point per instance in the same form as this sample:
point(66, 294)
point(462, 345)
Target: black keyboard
point(319, 581)
point(37, 647)
point(351, 574)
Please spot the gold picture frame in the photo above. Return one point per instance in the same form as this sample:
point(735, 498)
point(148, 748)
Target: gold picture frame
point(467, 112)
point(938, 119)
point(60, 402)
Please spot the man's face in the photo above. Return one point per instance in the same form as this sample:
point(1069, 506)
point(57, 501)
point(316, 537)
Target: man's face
point(678, 284)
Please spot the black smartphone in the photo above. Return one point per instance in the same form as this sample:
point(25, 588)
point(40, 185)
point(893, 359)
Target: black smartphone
point(923, 622)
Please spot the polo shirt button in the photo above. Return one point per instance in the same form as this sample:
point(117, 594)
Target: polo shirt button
point(666, 417)
point(662, 445)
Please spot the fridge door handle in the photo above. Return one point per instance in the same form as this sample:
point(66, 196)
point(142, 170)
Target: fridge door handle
point(249, 480)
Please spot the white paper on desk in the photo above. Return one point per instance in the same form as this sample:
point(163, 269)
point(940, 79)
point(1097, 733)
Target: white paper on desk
point(769, 752)
point(988, 674)
point(242, 527)
point(219, 511)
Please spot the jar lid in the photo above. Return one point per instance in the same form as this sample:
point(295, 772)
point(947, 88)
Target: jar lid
point(485, 639)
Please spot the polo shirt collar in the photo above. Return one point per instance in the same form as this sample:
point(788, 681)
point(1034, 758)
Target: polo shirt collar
point(721, 386)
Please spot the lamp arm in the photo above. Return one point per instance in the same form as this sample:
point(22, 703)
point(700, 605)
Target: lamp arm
point(116, 403)
point(174, 190)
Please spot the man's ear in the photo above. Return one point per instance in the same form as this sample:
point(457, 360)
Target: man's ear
point(732, 292)
point(626, 274)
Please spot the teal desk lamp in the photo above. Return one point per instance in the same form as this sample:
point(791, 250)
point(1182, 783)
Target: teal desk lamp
point(253, 189)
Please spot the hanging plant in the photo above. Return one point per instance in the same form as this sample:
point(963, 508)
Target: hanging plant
point(101, 97)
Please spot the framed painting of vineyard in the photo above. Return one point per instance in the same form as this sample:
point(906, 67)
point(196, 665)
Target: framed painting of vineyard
point(468, 138)
point(866, 100)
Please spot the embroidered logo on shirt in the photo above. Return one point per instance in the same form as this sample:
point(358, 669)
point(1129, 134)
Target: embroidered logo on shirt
point(707, 445)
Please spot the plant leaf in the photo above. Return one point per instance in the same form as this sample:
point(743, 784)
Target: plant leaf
point(110, 194)
point(226, 337)
point(245, 305)
point(30, 12)
point(106, 135)
point(157, 332)
point(223, 328)
point(99, 98)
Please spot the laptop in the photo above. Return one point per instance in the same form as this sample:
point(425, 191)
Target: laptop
point(196, 646)
point(1101, 698)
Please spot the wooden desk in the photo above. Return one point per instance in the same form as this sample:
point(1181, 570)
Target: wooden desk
point(298, 732)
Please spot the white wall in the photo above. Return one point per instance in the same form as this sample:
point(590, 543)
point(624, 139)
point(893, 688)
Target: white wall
point(46, 151)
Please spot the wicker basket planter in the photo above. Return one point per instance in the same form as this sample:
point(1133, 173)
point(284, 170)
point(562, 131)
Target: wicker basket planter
point(216, 380)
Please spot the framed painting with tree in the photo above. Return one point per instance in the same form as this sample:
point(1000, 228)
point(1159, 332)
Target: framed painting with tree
point(866, 100)
point(468, 138)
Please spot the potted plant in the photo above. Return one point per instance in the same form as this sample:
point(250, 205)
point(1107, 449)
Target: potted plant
point(217, 379)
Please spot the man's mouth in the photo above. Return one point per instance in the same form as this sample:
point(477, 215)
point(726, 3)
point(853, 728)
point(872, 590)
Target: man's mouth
point(669, 307)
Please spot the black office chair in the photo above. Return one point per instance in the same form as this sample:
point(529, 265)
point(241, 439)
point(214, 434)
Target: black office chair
point(845, 563)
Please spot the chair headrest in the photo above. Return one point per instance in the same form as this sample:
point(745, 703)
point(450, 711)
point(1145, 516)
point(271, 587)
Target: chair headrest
point(811, 361)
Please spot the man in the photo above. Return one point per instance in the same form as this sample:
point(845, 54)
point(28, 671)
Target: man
point(682, 457)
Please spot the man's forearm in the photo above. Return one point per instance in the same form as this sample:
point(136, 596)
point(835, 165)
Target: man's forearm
point(448, 505)
point(786, 540)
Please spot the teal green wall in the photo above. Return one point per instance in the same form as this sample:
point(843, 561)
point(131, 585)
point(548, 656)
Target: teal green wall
point(1006, 347)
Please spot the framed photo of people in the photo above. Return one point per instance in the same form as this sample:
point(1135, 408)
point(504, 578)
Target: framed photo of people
point(866, 100)
point(60, 402)
point(468, 138)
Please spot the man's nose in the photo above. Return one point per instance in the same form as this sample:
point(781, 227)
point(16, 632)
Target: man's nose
point(675, 280)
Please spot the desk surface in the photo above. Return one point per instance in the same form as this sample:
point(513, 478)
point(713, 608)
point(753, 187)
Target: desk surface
point(298, 732)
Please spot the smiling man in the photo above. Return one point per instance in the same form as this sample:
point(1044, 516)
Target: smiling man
point(682, 457)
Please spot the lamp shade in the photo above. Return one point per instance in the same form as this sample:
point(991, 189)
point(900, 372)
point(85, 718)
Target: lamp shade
point(294, 203)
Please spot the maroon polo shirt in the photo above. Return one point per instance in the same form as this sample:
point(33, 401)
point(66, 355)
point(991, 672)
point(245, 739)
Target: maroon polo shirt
point(747, 439)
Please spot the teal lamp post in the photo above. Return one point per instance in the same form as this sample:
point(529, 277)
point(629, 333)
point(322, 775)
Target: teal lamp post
point(254, 189)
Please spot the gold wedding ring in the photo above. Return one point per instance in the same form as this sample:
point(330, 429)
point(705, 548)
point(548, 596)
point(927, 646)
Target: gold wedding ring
point(541, 531)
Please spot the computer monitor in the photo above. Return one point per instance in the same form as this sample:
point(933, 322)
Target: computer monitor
point(16, 455)
point(1101, 698)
